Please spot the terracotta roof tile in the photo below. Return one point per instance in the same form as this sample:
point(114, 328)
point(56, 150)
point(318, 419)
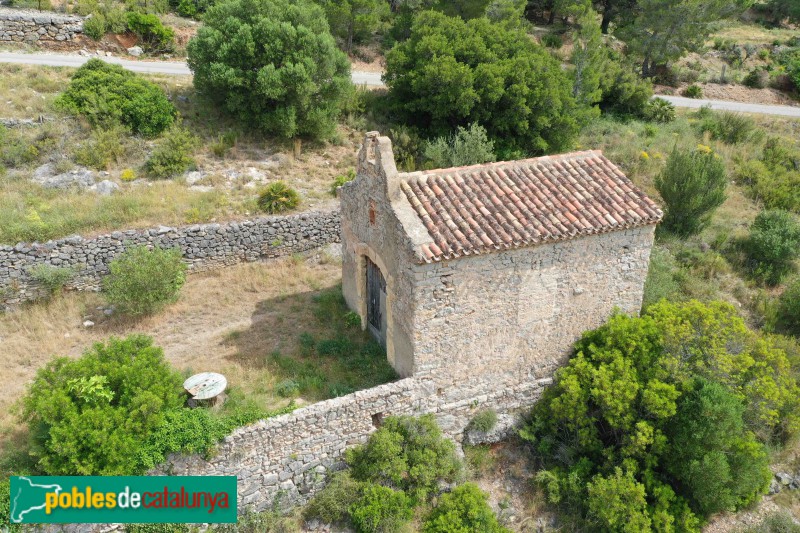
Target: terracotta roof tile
point(485, 208)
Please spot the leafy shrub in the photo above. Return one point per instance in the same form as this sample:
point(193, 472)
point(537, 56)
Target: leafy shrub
point(127, 175)
point(104, 147)
point(95, 26)
point(380, 509)
point(789, 308)
point(718, 465)
point(406, 453)
point(15, 150)
point(332, 504)
point(287, 388)
point(693, 91)
point(142, 281)
point(790, 60)
point(278, 197)
point(265, 87)
point(659, 110)
point(551, 40)
point(692, 186)
point(153, 35)
point(406, 145)
point(224, 144)
point(51, 278)
point(341, 179)
point(484, 421)
point(469, 146)
point(758, 78)
point(89, 416)
point(624, 92)
point(437, 82)
point(729, 127)
point(172, 154)
point(664, 401)
point(465, 509)
point(775, 178)
point(773, 245)
point(108, 95)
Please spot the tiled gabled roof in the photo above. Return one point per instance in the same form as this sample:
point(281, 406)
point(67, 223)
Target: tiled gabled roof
point(499, 206)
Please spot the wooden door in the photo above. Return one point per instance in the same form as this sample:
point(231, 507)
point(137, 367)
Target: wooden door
point(376, 302)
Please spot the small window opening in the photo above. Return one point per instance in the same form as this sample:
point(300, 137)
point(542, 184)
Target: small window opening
point(377, 420)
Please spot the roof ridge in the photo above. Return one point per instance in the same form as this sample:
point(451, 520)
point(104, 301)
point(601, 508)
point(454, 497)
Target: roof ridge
point(566, 156)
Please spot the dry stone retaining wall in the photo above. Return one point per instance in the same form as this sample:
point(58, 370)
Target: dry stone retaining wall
point(204, 246)
point(31, 26)
point(283, 461)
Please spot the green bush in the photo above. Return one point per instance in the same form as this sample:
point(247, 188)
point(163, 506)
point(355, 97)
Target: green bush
point(772, 246)
point(729, 127)
point(665, 403)
point(16, 151)
point(693, 91)
point(717, 465)
point(95, 26)
point(104, 147)
point(332, 504)
point(287, 388)
point(142, 281)
point(789, 308)
point(380, 510)
point(464, 510)
point(153, 35)
point(294, 85)
point(278, 197)
point(452, 72)
point(758, 78)
point(692, 186)
point(775, 178)
point(108, 95)
point(659, 110)
point(51, 278)
point(624, 92)
point(172, 154)
point(775, 522)
point(407, 147)
point(341, 179)
point(484, 421)
point(406, 453)
point(90, 416)
point(551, 40)
point(468, 146)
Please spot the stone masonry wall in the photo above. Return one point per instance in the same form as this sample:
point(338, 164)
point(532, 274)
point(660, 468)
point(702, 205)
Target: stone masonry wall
point(31, 26)
point(204, 246)
point(283, 461)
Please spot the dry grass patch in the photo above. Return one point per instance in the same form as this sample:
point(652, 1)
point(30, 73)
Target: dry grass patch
point(231, 321)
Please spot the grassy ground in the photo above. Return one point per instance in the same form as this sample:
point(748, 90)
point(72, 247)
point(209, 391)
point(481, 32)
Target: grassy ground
point(278, 331)
point(28, 212)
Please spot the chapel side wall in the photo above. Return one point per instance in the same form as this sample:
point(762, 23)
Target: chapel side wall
point(509, 318)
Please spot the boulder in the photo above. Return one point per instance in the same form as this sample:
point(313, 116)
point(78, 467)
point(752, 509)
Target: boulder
point(135, 51)
point(106, 188)
point(46, 176)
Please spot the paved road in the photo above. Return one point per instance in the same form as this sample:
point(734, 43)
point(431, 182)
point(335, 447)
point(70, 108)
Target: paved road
point(373, 79)
point(781, 110)
point(174, 68)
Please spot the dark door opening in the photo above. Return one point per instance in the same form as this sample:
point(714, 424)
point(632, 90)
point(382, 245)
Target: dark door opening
point(376, 302)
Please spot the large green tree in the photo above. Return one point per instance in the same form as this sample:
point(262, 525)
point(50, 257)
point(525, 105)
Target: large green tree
point(352, 21)
point(661, 418)
point(452, 73)
point(273, 64)
point(589, 58)
point(664, 30)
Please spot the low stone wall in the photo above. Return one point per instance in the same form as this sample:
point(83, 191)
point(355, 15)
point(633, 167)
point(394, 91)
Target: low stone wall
point(204, 246)
point(31, 26)
point(281, 462)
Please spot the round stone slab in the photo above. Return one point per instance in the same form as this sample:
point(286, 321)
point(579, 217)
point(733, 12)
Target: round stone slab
point(206, 385)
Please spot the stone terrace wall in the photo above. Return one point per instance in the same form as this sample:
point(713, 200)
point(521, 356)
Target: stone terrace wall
point(204, 246)
point(31, 26)
point(281, 462)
